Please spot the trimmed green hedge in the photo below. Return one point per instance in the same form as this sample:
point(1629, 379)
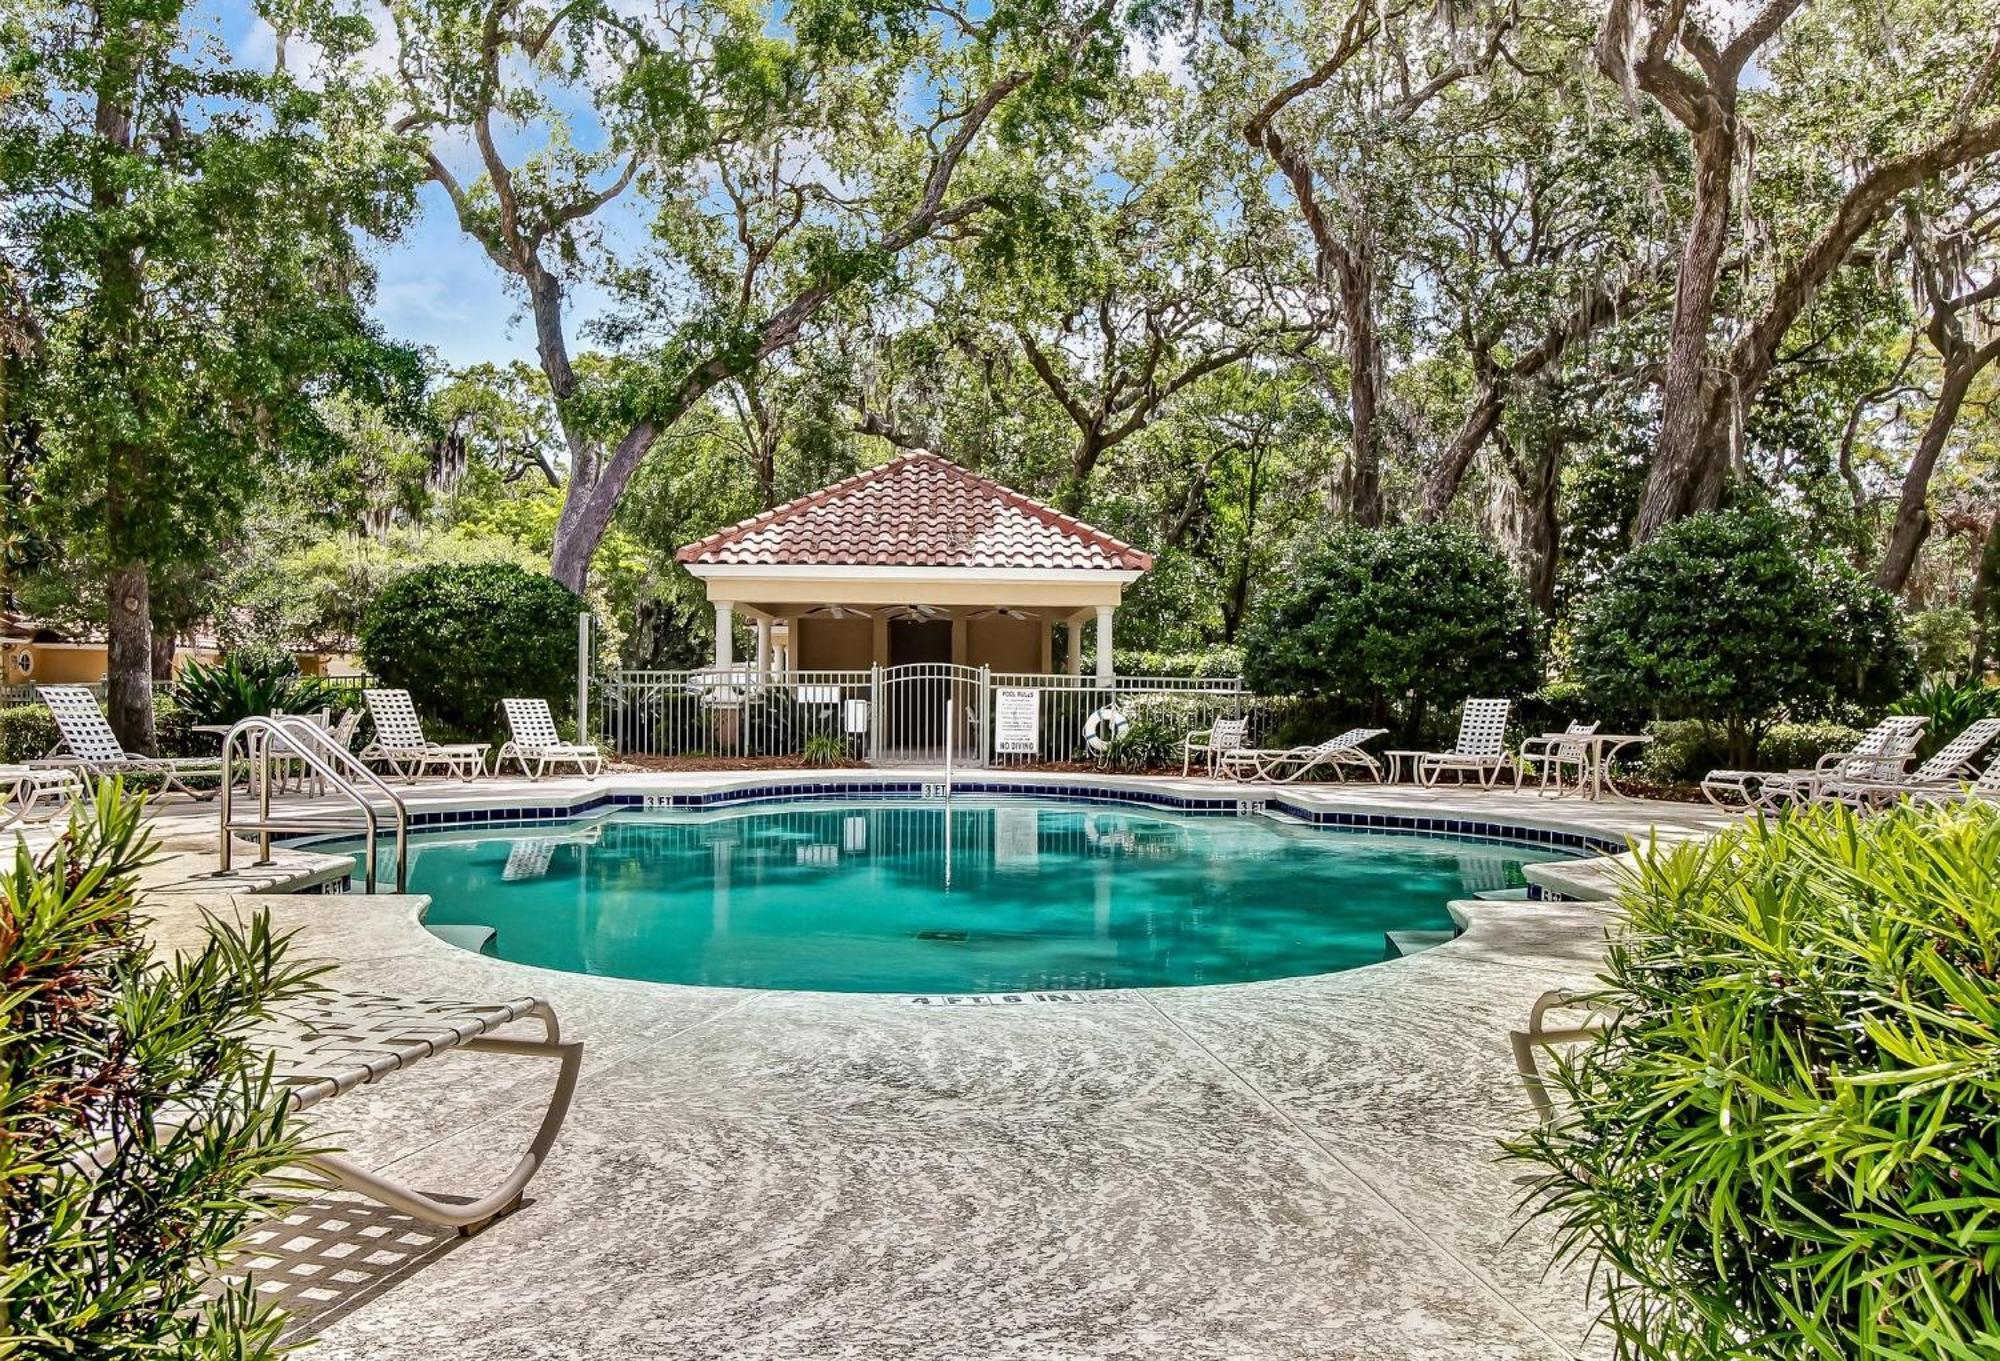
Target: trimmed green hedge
point(460, 638)
point(1684, 750)
point(1784, 1145)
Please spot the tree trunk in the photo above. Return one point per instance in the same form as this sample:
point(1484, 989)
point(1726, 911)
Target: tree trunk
point(1913, 521)
point(1686, 386)
point(129, 657)
point(165, 645)
point(1541, 525)
point(1983, 601)
point(1075, 489)
point(1362, 487)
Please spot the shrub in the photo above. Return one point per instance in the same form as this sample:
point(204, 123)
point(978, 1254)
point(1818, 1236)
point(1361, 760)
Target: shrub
point(1941, 640)
point(460, 638)
point(245, 684)
point(1395, 620)
point(27, 733)
point(99, 1040)
point(1723, 616)
point(1950, 708)
point(1685, 749)
point(1783, 1145)
point(1211, 663)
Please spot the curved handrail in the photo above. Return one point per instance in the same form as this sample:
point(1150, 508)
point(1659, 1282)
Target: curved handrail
point(299, 738)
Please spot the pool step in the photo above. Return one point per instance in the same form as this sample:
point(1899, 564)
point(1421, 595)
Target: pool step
point(1401, 944)
point(1503, 895)
point(474, 938)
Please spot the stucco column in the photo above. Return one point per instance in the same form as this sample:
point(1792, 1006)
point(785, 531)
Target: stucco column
point(1104, 642)
point(1073, 646)
point(725, 642)
point(763, 651)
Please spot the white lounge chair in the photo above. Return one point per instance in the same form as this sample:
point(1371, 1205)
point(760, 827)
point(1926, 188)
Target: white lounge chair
point(535, 741)
point(1225, 734)
point(88, 745)
point(400, 743)
point(1282, 765)
point(329, 1043)
point(1986, 787)
point(28, 788)
point(1881, 754)
point(1944, 773)
point(1555, 756)
point(1481, 748)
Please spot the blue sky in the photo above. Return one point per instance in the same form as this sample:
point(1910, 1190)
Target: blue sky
point(435, 287)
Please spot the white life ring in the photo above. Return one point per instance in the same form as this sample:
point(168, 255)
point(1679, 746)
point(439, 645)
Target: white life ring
point(1103, 729)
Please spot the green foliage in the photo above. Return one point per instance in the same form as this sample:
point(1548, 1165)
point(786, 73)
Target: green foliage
point(462, 638)
point(1950, 708)
point(825, 749)
point(1209, 663)
point(1941, 638)
point(100, 1043)
point(27, 733)
point(1724, 616)
point(1685, 749)
point(243, 685)
point(1397, 619)
point(1783, 1145)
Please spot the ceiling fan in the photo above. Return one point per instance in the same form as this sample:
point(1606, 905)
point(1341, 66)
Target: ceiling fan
point(835, 612)
point(916, 612)
point(1004, 612)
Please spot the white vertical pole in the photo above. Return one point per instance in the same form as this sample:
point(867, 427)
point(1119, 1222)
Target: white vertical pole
point(583, 677)
point(947, 749)
point(1104, 660)
point(725, 641)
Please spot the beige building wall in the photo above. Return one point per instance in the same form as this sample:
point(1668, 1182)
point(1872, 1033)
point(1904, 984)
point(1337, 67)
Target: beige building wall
point(1012, 645)
point(834, 644)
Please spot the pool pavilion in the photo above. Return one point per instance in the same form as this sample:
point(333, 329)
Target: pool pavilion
point(919, 561)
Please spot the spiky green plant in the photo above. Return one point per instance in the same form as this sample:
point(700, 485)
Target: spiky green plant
point(1788, 1143)
point(235, 689)
point(1951, 706)
point(138, 1130)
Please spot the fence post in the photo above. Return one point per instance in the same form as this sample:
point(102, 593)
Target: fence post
point(985, 714)
point(875, 713)
point(583, 676)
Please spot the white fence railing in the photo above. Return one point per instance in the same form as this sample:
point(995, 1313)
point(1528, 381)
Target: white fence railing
point(884, 715)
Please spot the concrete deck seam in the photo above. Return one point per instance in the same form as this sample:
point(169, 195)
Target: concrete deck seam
point(1367, 1184)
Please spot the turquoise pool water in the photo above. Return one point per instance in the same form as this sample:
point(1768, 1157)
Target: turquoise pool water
point(1001, 897)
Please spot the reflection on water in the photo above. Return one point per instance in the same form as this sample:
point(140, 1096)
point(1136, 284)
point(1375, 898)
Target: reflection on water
point(993, 897)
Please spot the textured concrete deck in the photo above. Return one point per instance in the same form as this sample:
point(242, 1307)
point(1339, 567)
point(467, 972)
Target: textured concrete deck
point(1302, 1168)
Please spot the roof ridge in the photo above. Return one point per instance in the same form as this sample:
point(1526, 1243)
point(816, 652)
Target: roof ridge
point(1124, 554)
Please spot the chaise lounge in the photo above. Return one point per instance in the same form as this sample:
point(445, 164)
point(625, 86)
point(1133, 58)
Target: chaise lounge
point(1283, 765)
point(400, 743)
point(534, 740)
point(93, 749)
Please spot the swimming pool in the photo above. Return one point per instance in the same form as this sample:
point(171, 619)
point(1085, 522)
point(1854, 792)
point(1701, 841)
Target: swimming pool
point(991, 896)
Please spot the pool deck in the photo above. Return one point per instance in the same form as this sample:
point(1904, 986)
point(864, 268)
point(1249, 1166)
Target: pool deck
point(1304, 1168)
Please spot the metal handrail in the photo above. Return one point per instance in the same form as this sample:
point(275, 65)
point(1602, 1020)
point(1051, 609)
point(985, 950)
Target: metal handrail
point(301, 739)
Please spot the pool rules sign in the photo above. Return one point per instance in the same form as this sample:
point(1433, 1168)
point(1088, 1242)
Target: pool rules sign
point(1017, 718)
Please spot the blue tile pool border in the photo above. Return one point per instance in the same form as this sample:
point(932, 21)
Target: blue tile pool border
point(1459, 828)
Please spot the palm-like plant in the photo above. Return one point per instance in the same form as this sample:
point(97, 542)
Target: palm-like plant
point(1784, 1146)
point(238, 688)
point(1951, 708)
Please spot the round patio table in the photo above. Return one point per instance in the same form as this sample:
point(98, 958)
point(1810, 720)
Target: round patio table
point(1598, 750)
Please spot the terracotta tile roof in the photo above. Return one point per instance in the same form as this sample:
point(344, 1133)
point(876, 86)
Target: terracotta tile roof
point(918, 510)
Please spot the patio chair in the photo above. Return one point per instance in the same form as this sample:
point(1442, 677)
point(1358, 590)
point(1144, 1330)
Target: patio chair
point(1282, 765)
point(93, 749)
point(27, 788)
point(1539, 1035)
point(400, 743)
point(1881, 754)
point(1553, 754)
point(535, 740)
point(1481, 748)
point(329, 1043)
point(1944, 773)
point(1225, 734)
